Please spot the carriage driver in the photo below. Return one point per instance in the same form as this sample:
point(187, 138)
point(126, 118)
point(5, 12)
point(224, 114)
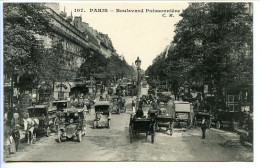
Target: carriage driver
point(139, 113)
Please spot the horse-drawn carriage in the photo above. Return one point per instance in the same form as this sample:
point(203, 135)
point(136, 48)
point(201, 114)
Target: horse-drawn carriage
point(46, 117)
point(40, 120)
point(72, 123)
point(118, 105)
point(102, 114)
point(141, 125)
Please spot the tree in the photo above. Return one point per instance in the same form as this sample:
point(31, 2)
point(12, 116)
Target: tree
point(21, 22)
point(212, 44)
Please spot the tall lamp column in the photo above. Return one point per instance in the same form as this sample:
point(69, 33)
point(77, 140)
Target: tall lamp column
point(138, 64)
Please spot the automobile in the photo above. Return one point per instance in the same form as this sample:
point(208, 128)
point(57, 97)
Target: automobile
point(102, 114)
point(165, 120)
point(61, 105)
point(72, 123)
point(183, 112)
point(110, 90)
point(222, 119)
point(46, 116)
point(164, 97)
point(200, 115)
point(131, 89)
point(141, 125)
point(118, 105)
point(80, 106)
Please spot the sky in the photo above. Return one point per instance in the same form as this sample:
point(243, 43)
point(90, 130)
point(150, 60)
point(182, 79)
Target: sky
point(133, 34)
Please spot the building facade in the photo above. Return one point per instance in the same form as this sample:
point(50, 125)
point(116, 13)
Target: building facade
point(75, 36)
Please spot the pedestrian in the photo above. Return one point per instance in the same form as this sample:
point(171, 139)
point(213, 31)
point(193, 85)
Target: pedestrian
point(141, 102)
point(123, 93)
point(16, 136)
point(196, 105)
point(133, 105)
point(16, 118)
point(203, 127)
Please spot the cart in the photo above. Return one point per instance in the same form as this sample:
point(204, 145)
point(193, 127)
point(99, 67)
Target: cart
point(46, 116)
point(71, 124)
point(141, 125)
point(163, 119)
point(102, 114)
point(183, 114)
point(118, 105)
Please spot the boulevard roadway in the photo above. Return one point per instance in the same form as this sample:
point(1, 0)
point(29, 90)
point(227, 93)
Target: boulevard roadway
point(113, 145)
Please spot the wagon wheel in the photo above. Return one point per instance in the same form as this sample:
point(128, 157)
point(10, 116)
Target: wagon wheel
point(153, 134)
point(156, 127)
point(48, 131)
point(130, 134)
point(79, 136)
point(108, 124)
point(59, 136)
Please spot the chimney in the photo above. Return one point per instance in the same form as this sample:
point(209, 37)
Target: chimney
point(78, 22)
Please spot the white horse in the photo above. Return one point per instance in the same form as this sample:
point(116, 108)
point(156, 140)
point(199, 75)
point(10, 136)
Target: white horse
point(29, 126)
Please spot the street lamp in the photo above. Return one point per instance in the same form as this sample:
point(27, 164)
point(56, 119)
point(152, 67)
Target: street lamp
point(138, 64)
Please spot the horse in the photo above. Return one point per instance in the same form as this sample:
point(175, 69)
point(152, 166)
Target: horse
point(29, 126)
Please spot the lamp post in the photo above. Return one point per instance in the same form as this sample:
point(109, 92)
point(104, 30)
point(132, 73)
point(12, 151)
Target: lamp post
point(138, 64)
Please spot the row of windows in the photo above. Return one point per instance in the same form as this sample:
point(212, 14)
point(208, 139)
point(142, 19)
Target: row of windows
point(72, 47)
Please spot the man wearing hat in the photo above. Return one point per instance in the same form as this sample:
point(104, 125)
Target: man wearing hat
point(16, 136)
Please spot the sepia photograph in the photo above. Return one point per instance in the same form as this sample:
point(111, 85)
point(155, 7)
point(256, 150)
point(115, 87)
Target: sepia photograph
point(127, 81)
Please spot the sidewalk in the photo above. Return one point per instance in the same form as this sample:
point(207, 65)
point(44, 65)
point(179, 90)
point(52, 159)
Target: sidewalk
point(230, 138)
point(7, 131)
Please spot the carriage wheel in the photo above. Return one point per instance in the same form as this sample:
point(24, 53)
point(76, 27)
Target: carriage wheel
point(152, 138)
point(108, 124)
point(59, 136)
point(156, 127)
point(48, 131)
point(131, 134)
point(79, 136)
point(153, 134)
